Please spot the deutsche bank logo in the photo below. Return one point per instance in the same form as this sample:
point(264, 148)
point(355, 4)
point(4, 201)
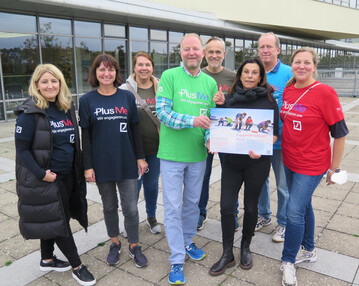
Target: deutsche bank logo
point(160, 89)
point(123, 127)
point(297, 125)
point(203, 111)
point(72, 138)
point(18, 129)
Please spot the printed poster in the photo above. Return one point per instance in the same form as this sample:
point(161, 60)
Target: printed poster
point(236, 130)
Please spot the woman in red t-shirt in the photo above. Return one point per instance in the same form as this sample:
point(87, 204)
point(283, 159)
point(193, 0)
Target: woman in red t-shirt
point(310, 111)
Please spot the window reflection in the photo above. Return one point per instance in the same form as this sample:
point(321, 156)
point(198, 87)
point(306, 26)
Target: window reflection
point(137, 33)
point(175, 37)
point(19, 57)
point(17, 23)
point(160, 35)
point(55, 26)
point(174, 54)
point(115, 31)
point(117, 48)
point(58, 51)
point(86, 51)
point(89, 29)
point(160, 57)
point(230, 54)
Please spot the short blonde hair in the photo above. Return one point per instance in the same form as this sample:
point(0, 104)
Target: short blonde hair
point(191, 35)
point(276, 39)
point(314, 59)
point(63, 99)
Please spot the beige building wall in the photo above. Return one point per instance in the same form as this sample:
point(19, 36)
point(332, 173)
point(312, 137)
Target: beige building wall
point(304, 18)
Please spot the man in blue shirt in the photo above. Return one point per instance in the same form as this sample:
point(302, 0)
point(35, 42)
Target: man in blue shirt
point(277, 75)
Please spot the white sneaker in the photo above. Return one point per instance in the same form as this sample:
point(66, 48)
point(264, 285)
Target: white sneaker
point(262, 222)
point(289, 278)
point(304, 255)
point(278, 236)
point(152, 223)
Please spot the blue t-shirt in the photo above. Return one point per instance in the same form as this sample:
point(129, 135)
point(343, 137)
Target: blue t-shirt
point(109, 119)
point(63, 137)
point(278, 78)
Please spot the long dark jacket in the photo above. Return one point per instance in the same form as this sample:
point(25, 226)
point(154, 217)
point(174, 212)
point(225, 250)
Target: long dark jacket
point(40, 208)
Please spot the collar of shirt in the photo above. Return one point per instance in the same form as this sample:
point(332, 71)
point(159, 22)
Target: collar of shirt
point(191, 74)
point(276, 67)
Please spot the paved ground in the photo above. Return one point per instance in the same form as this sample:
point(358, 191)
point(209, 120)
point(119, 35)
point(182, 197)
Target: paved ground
point(337, 234)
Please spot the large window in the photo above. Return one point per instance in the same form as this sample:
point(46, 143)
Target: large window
point(19, 56)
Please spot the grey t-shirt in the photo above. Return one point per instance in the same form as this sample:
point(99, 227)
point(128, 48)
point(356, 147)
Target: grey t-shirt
point(148, 128)
point(224, 78)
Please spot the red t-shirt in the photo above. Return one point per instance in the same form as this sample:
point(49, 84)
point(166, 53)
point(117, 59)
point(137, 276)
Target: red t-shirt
point(305, 136)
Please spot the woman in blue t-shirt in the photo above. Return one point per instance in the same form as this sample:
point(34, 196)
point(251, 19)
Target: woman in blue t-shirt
point(113, 152)
point(49, 172)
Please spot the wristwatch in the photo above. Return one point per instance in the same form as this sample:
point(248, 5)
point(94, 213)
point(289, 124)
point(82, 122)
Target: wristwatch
point(332, 172)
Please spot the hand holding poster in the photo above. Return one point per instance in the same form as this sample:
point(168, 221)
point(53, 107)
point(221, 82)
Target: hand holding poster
point(238, 131)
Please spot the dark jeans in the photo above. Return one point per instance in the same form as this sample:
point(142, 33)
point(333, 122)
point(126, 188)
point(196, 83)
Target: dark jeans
point(237, 169)
point(65, 244)
point(150, 184)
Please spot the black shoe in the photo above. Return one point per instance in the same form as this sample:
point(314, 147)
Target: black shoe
point(113, 256)
point(227, 260)
point(56, 265)
point(83, 276)
point(137, 255)
point(246, 256)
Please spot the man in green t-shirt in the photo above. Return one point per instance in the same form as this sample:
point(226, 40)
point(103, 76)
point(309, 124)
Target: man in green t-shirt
point(183, 101)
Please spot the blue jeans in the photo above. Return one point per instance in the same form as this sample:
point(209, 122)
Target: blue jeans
point(282, 191)
point(181, 189)
point(150, 184)
point(205, 187)
point(300, 216)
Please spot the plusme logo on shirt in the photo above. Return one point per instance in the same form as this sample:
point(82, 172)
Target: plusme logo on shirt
point(203, 111)
point(297, 125)
point(18, 129)
point(123, 127)
point(72, 138)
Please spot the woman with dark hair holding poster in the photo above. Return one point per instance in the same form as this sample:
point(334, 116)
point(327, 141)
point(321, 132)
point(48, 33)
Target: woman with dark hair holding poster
point(250, 90)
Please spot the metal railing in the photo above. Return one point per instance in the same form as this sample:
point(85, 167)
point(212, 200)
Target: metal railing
point(345, 82)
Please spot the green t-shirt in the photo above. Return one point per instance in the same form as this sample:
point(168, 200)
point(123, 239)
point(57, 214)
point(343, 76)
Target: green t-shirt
point(190, 95)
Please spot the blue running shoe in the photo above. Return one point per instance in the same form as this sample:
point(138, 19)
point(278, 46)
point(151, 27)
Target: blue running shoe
point(176, 275)
point(236, 223)
point(194, 252)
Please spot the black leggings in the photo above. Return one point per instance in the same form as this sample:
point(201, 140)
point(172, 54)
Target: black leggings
point(65, 244)
point(237, 169)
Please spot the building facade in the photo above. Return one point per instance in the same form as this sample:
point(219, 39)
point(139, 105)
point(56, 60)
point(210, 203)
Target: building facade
point(70, 34)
